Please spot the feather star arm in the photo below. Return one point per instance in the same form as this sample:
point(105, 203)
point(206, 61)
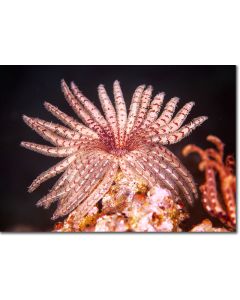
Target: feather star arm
point(50, 151)
point(78, 166)
point(177, 136)
point(98, 193)
point(176, 122)
point(174, 162)
point(59, 129)
point(167, 113)
point(51, 172)
point(69, 121)
point(75, 181)
point(145, 101)
point(160, 166)
point(161, 177)
point(80, 111)
point(90, 107)
point(93, 152)
point(140, 169)
point(108, 110)
point(48, 135)
point(134, 107)
point(154, 110)
point(79, 194)
point(121, 110)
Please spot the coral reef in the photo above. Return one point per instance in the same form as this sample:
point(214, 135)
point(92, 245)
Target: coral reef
point(95, 148)
point(206, 226)
point(117, 173)
point(219, 188)
point(130, 206)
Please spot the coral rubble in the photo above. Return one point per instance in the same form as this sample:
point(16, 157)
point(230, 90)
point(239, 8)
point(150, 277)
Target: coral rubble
point(130, 206)
point(206, 226)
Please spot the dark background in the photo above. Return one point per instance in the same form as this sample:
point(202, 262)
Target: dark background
point(25, 88)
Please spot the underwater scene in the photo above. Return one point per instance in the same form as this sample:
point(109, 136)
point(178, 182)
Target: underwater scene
point(119, 149)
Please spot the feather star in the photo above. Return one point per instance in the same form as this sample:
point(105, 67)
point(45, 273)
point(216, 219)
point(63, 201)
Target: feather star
point(97, 148)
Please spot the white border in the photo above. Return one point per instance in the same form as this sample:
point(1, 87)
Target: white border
point(35, 266)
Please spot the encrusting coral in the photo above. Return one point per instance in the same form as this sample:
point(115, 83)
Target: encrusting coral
point(130, 206)
point(207, 226)
point(219, 188)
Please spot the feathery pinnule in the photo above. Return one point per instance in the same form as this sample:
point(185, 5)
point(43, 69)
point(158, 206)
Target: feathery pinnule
point(53, 171)
point(176, 122)
point(49, 135)
point(90, 107)
point(153, 173)
point(134, 108)
point(79, 166)
point(175, 137)
point(167, 114)
point(128, 171)
point(53, 196)
point(50, 151)
point(95, 151)
point(60, 130)
point(179, 180)
point(73, 169)
point(80, 193)
point(74, 183)
point(160, 166)
point(145, 101)
point(180, 117)
point(170, 159)
point(69, 121)
point(80, 111)
point(109, 111)
point(140, 169)
point(121, 111)
point(154, 110)
point(98, 193)
point(67, 176)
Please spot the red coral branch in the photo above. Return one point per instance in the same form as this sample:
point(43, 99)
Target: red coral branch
point(212, 163)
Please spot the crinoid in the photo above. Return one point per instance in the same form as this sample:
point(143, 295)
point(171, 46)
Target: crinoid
point(219, 188)
point(96, 150)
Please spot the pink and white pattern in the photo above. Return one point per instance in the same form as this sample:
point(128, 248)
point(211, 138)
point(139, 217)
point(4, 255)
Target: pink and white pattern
point(97, 148)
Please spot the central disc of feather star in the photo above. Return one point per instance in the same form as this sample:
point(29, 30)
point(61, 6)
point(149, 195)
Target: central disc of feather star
point(97, 147)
